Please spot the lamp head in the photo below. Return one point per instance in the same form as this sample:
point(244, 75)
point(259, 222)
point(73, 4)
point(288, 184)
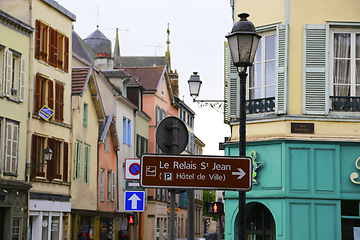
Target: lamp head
point(194, 85)
point(48, 153)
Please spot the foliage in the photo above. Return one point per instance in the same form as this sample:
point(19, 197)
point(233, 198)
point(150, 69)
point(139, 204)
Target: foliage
point(214, 217)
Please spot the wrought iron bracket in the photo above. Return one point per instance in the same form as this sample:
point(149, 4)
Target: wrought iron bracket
point(218, 105)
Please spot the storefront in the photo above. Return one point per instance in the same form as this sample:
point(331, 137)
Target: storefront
point(13, 209)
point(49, 216)
point(301, 190)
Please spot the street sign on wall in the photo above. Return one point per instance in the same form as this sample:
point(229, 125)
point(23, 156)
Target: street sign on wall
point(196, 172)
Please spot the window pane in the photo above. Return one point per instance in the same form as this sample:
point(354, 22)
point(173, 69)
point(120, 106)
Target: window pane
point(342, 45)
point(358, 91)
point(342, 90)
point(257, 75)
point(270, 47)
point(270, 92)
point(258, 53)
point(255, 93)
point(342, 71)
point(270, 73)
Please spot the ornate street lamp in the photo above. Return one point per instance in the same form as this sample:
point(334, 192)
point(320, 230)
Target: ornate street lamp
point(243, 42)
point(47, 157)
point(194, 88)
point(48, 154)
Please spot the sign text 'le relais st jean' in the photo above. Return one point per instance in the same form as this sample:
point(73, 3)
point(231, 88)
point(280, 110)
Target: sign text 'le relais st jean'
point(196, 172)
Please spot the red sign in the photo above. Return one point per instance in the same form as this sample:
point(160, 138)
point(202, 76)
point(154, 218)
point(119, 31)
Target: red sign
point(196, 172)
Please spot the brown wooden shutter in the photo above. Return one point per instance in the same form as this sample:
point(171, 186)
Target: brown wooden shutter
point(37, 39)
point(52, 53)
point(34, 155)
point(51, 94)
point(66, 55)
point(37, 94)
point(59, 102)
point(51, 163)
point(65, 166)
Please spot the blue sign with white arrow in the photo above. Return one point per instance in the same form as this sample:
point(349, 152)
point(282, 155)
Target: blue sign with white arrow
point(134, 201)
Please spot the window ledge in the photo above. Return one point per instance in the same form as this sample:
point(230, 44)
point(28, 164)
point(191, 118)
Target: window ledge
point(53, 181)
point(10, 174)
point(35, 116)
point(13, 100)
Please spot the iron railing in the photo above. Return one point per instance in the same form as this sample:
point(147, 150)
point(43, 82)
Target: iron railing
point(260, 105)
point(345, 103)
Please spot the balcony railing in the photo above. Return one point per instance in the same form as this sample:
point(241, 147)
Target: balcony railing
point(260, 105)
point(346, 104)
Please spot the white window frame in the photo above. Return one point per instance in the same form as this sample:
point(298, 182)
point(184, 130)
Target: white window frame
point(113, 186)
point(18, 227)
point(11, 143)
point(87, 151)
point(262, 63)
point(353, 32)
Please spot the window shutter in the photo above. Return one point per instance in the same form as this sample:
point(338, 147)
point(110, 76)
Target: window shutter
point(137, 145)
point(8, 74)
point(78, 160)
point(34, 155)
point(314, 70)
point(51, 163)
point(226, 82)
point(3, 80)
point(102, 184)
point(232, 89)
point(37, 39)
point(37, 94)
point(65, 162)
point(66, 55)
point(52, 52)
point(8, 154)
point(281, 68)
point(113, 186)
point(22, 79)
point(50, 94)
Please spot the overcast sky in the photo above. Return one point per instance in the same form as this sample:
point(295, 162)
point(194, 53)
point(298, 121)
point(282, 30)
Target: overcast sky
point(197, 35)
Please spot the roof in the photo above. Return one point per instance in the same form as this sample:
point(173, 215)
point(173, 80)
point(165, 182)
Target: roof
point(80, 48)
point(79, 78)
point(142, 61)
point(148, 77)
point(109, 126)
point(61, 9)
point(115, 73)
point(100, 44)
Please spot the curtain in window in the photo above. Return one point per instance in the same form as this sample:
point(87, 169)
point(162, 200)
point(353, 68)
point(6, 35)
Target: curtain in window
point(342, 43)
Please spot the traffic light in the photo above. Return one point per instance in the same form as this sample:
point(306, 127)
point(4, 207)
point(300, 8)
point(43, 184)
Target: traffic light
point(214, 208)
point(132, 219)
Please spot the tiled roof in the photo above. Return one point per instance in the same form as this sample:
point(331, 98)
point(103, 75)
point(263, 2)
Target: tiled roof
point(148, 77)
point(115, 73)
point(79, 77)
point(147, 61)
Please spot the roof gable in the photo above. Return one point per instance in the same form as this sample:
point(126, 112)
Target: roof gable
point(148, 77)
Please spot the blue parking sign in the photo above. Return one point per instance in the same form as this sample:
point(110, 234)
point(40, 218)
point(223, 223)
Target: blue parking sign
point(134, 201)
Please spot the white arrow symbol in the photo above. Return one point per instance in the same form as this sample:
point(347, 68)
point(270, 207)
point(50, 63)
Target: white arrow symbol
point(241, 173)
point(134, 198)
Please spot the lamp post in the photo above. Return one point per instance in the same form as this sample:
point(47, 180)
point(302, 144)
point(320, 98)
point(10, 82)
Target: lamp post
point(243, 42)
point(194, 88)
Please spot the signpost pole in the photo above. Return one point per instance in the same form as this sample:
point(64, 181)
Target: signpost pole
point(172, 191)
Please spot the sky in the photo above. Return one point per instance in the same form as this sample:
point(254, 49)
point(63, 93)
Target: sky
point(197, 36)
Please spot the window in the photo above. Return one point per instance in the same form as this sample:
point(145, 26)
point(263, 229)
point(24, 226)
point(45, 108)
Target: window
point(58, 163)
point(54, 166)
point(345, 62)
point(107, 142)
point(51, 46)
point(86, 163)
point(102, 184)
point(126, 131)
point(141, 145)
point(163, 86)
point(12, 147)
point(111, 186)
point(262, 74)
point(16, 228)
point(78, 157)
point(13, 74)
point(44, 95)
point(85, 115)
point(59, 102)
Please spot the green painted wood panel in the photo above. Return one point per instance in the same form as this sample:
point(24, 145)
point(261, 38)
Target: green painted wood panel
point(299, 221)
point(325, 222)
point(299, 161)
point(325, 174)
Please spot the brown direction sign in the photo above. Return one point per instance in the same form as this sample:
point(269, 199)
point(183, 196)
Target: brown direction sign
point(196, 172)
